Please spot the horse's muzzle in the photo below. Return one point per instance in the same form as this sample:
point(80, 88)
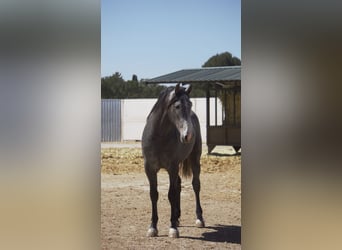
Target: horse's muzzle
point(187, 138)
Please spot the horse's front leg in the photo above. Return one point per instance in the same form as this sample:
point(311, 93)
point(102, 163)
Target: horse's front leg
point(152, 178)
point(178, 211)
point(174, 198)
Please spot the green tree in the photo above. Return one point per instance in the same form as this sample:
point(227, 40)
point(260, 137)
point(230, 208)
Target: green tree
point(134, 78)
point(223, 59)
point(115, 87)
point(112, 86)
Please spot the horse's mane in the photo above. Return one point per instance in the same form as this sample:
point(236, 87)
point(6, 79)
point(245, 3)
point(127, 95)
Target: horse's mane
point(161, 104)
point(161, 101)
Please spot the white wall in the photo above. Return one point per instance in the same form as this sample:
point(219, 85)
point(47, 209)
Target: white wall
point(135, 111)
point(133, 114)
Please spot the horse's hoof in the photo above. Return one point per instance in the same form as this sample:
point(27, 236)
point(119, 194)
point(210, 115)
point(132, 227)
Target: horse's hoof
point(199, 223)
point(173, 233)
point(152, 232)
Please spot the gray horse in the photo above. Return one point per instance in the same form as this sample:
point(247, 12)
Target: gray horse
point(172, 140)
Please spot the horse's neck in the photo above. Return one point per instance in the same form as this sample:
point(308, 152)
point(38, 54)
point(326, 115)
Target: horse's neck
point(161, 124)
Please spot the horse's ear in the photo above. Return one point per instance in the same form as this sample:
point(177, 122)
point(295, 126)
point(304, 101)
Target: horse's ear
point(177, 88)
point(188, 90)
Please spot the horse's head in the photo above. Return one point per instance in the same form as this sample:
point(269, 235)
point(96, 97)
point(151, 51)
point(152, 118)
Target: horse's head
point(179, 112)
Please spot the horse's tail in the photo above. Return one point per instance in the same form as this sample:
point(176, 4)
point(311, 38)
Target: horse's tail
point(186, 169)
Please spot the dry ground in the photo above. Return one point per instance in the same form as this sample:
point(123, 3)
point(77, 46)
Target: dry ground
point(126, 207)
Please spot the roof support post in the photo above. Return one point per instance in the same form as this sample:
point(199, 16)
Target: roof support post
point(208, 107)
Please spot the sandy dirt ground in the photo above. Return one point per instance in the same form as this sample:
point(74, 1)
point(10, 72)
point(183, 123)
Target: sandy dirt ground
point(126, 206)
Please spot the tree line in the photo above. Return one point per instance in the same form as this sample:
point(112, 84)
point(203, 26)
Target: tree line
point(115, 87)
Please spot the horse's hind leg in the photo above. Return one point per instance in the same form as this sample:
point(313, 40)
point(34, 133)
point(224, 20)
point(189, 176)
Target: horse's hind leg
point(196, 185)
point(152, 178)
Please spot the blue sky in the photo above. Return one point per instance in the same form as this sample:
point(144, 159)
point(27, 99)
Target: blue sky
point(154, 37)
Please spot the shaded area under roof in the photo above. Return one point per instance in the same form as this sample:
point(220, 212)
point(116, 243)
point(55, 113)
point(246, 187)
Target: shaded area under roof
point(210, 74)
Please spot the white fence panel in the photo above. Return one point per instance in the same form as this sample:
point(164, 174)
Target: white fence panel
point(134, 113)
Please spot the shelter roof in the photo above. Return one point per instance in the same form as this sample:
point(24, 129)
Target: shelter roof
point(221, 75)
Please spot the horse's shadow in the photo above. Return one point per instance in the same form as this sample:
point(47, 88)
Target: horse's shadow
point(222, 233)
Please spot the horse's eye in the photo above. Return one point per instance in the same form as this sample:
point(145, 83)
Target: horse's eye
point(177, 106)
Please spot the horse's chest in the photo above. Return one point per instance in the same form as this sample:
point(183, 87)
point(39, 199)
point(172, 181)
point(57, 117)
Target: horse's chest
point(175, 153)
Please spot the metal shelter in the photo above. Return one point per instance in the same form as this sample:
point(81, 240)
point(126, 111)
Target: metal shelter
point(224, 85)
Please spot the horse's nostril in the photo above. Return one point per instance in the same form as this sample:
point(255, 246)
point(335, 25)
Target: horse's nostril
point(188, 137)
